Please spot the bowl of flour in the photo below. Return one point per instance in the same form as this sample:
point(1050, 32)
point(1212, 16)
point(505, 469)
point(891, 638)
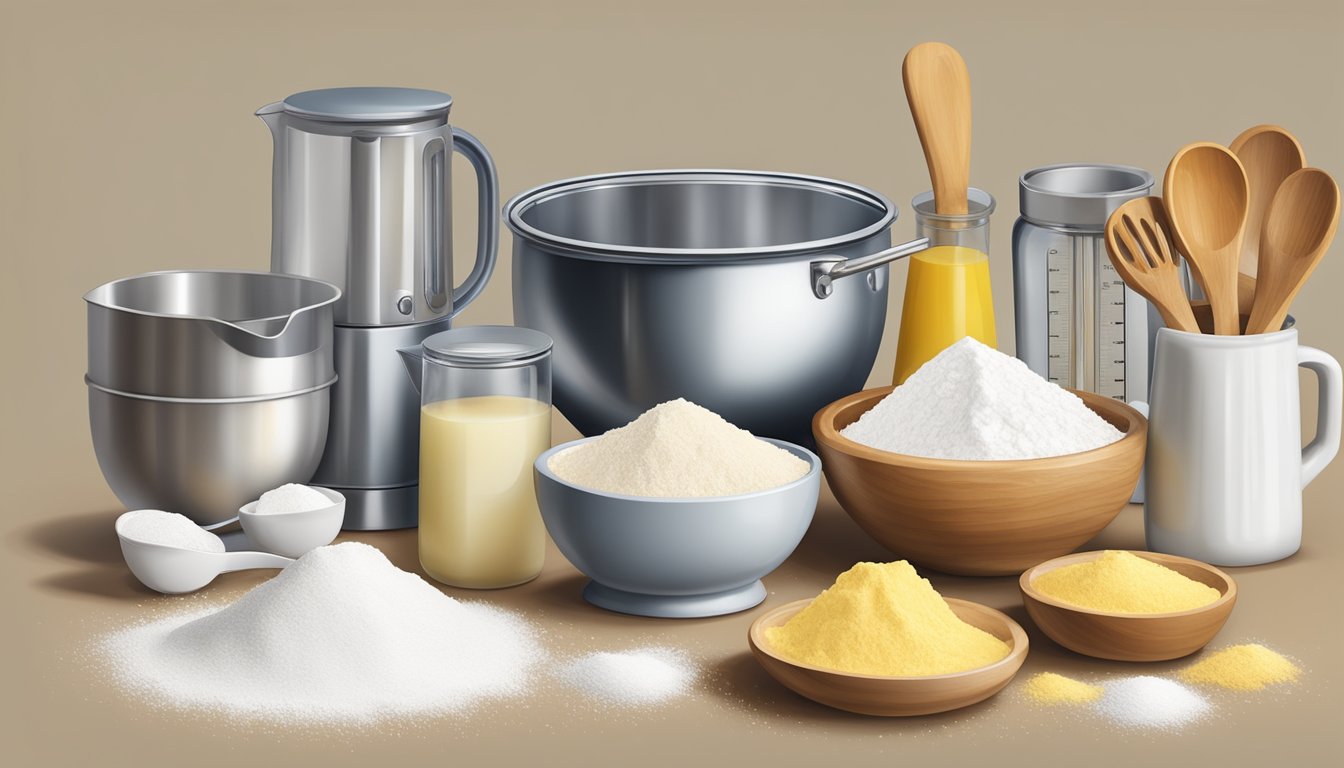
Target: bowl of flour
point(978, 466)
point(679, 513)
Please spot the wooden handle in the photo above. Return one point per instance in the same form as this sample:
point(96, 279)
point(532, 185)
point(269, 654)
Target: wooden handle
point(939, 91)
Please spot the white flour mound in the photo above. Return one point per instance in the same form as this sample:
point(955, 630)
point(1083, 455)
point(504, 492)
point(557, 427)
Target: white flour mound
point(631, 678)
point(340, 636)
point(1151, 702)
point(972, 402)
point(291, 497)
point(151, 526)
point(678, 450)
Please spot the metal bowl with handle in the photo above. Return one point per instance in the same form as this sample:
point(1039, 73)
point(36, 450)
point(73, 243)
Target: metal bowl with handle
point(722, 287)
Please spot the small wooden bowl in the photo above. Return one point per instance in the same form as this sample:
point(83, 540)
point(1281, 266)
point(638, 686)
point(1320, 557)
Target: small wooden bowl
point(980, 518)
point(895, 696)
point(1131, 636)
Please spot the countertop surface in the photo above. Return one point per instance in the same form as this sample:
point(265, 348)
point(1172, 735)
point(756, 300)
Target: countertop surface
point(130, 144)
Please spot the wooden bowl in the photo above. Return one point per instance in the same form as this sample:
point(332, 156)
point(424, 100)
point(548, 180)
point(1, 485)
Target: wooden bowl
point(1130, 636)
point(980, 518)
point(895, 696)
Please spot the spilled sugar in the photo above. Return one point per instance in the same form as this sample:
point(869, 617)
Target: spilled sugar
point(340, 636)
point(631, 678)
point(1151, 702)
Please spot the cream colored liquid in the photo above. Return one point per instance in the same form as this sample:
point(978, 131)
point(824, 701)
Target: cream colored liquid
point(479, 523)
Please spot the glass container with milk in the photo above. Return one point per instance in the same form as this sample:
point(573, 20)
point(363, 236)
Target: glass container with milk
point(485, 416)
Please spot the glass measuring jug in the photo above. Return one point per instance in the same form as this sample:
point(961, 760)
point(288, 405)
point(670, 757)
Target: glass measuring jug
point(947, 291)
point(485, 416)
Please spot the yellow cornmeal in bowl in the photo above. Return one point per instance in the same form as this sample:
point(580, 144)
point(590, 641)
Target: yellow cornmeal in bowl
point(1052, 688)
point(1120, 582)
point(1249, 667)
point(883, 619)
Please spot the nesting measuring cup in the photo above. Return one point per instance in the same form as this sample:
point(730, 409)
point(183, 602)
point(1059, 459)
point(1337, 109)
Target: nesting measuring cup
point(1225, 467)
point(947, 293)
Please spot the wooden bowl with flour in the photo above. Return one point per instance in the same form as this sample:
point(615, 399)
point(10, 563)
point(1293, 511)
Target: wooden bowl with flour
point(980, 518)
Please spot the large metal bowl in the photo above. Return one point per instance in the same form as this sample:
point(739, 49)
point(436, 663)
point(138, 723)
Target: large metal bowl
point(700, 284)
point(205, 458)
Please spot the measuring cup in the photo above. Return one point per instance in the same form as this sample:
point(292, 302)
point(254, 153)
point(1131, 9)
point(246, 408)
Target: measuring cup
point(1225, 466)
point(173, 570)
point(947, 292)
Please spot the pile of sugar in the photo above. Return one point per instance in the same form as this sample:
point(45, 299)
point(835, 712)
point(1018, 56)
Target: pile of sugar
point(291, 497)
point(340, 636)
point(1151, 702)
point(678, 450)
point(150, 526)
point(972, 402)
point(631, 678)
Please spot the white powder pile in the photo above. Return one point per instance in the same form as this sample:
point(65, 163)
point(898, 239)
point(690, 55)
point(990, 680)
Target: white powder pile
point(150, 526)
point(678, 450)
point(1151, 702)
point(340, 636)
point(632, 678)
point(291, 497)
point(972, 402)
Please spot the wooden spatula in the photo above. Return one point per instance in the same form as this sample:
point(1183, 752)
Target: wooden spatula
point(939, 91)
point(1138, 240)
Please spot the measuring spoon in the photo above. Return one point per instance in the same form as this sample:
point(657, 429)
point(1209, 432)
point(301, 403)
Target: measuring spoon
point(173, 570)
point(938, 89)
point(1207, 196)
point(1269, 154)
point(1301, 223)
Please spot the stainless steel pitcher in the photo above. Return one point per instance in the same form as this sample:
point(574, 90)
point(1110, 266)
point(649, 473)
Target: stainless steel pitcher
point(361, 198)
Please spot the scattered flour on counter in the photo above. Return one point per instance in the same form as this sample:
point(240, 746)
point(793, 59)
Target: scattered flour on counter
point(1151, 702)
point(972, 402)
point(341, 636)
point(631, 678)
point(150, 526)
point(678, 450)
point(291, 497)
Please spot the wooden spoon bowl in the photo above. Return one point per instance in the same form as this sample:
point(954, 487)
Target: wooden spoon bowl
point(1130, 636)
point(895, 696)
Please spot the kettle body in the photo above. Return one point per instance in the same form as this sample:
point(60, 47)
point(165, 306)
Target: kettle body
point(362, 196)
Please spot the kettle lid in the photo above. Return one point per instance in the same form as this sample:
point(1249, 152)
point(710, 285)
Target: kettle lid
point(368, 104)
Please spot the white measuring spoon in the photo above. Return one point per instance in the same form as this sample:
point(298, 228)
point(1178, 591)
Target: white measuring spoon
point(173, 570)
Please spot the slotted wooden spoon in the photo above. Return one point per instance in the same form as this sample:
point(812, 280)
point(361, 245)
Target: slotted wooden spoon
point(938, 89)
point(1206, 197)
point(1138, 240)
point(1301, 223)
point(1269, 154)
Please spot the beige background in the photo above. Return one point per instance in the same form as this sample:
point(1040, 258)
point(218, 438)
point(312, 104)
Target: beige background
point(129, 145)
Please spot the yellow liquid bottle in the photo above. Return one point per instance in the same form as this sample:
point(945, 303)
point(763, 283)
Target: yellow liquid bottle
point(947, 297)
point(479, 523)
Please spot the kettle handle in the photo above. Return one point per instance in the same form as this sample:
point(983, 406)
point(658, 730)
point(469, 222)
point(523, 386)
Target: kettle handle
point(487, 227)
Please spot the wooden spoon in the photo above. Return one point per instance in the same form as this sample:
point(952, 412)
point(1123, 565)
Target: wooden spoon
point(1269, 154)
point(939, 91)
point(1138, 242)
point(1206, 196)
point(1301, 223)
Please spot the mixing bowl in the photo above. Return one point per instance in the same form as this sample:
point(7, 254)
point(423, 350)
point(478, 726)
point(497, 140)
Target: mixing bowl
point(676, 558)
point(205, 458)
point(980, 518)
point(699, 284)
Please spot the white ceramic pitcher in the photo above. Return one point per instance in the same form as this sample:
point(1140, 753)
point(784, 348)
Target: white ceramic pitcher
point(1225, 466)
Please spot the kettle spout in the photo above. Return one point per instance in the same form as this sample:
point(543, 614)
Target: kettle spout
point(414, 360)
point(271, 114)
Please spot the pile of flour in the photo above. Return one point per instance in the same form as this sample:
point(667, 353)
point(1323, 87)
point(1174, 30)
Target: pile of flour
point(974, 403)
point(678, 450)
point(290, 498)
point(169, 529)
point(340, 636)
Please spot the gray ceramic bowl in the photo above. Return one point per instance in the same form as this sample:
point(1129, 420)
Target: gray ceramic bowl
point(676, 558)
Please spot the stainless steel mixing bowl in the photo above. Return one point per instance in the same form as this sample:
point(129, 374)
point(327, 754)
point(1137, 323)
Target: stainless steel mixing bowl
point(211, 333)
point(205, 458)
point(700, 284)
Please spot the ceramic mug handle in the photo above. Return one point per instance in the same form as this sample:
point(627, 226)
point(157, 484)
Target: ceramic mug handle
point(1325, 444)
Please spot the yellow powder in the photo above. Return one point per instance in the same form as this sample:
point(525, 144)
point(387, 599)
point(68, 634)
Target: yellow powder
point(1050, 688)
point(1119, 582)
point(883, 619)
point(1242, 668)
